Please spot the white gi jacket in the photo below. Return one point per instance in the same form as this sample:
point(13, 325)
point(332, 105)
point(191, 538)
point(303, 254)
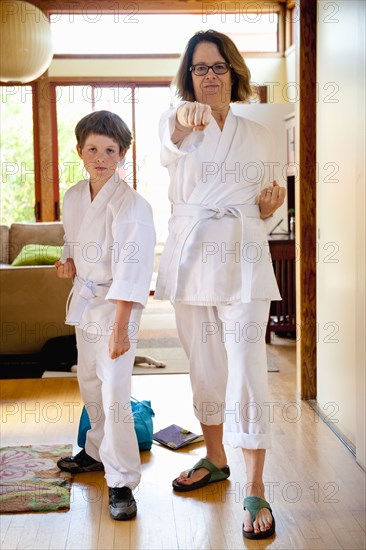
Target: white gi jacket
point(111, 240)
point(217, 249)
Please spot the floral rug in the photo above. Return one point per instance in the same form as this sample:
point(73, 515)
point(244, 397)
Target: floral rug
point(30, 480)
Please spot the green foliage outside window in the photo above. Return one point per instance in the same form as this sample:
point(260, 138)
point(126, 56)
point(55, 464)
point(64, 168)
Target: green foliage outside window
point(17, 158)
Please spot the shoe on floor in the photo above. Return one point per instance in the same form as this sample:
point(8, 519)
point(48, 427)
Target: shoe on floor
point(122, 505)
point(80, 463)
point(254, 505)
point(215, 474)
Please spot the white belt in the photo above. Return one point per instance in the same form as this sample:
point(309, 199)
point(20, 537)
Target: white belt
point(81, 292)
point(199, 212)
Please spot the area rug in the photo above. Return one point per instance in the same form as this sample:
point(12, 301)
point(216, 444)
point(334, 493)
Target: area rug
point(174, 358)
point(30, 480)
point(176, 361)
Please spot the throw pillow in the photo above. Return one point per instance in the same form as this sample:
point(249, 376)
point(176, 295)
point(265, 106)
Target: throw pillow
point(38, 254)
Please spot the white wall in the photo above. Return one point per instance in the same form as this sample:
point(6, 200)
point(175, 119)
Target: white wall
point(341, 218)
point(290, 56)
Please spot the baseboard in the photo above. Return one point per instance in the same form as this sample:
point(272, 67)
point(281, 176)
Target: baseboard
point(346, 442)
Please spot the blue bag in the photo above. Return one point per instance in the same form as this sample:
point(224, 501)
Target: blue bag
point(142, 416)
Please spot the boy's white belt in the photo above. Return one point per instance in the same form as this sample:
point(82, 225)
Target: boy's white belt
point(81, 292)
point(249, 235)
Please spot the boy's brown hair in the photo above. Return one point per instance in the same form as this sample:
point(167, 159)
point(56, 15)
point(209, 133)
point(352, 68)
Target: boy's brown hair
point(104, 123)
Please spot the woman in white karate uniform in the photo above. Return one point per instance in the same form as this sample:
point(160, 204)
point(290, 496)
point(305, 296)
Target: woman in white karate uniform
point(216, 266)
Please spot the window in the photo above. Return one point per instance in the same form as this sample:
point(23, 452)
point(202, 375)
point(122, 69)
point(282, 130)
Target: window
point(17, 155)
point(140, 33)
point(152, 177)
point(71, 107)
point(140, 102)
point(141, 167)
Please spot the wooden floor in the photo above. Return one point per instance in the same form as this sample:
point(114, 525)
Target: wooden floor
point(316, 489)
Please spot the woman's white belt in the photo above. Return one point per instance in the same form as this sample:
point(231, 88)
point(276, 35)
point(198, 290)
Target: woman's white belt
point(199, 211)
point(81, 292)
point(249, 235)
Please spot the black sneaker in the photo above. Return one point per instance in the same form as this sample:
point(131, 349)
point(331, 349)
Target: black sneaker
point(122, 504)
point(80, 463)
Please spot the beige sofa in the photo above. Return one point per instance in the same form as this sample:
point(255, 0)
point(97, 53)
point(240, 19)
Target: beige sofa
point(32, 298)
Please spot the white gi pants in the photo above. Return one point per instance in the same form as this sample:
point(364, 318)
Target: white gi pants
point(105, 387)
point(225, 345)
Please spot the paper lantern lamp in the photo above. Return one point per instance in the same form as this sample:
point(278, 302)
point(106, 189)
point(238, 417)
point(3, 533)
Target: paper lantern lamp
point(25, 42)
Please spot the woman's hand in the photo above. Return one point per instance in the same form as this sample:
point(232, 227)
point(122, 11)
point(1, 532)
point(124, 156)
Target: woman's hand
point(193, 115)
point(270, 199)
point(66, 270)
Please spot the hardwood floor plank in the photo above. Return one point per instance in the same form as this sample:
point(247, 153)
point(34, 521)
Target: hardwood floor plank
point(326, 534)
point(350, 540)
point(30, 532)
point(154, 504)
point(360, 517)
point(107, 525)
point(12, 537)
point(52, 532)
point(122, 535)
point(5, 521)
point(190, 525)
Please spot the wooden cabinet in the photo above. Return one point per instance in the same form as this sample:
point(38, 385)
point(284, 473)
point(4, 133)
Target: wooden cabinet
point(282, 317)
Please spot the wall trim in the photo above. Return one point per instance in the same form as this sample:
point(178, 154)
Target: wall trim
point(344, 439)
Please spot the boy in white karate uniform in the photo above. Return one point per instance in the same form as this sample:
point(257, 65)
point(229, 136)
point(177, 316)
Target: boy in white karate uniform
point(109, 252)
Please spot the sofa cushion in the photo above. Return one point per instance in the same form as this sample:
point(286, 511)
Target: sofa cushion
point(32, 308)
point(38, 254)
point(34, 233)
point(4, 244)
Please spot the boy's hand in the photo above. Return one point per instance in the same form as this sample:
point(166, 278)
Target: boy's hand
point(119, 342)
point(270, 199)
point(66, 270)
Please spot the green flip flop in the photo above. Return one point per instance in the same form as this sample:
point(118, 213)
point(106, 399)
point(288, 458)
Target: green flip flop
point(254, 505)
point(215, 474)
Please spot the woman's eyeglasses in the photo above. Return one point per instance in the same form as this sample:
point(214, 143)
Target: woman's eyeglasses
point(202, 70)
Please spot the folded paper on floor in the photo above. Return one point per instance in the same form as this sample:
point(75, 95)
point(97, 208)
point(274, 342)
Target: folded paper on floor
point(176, 437)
